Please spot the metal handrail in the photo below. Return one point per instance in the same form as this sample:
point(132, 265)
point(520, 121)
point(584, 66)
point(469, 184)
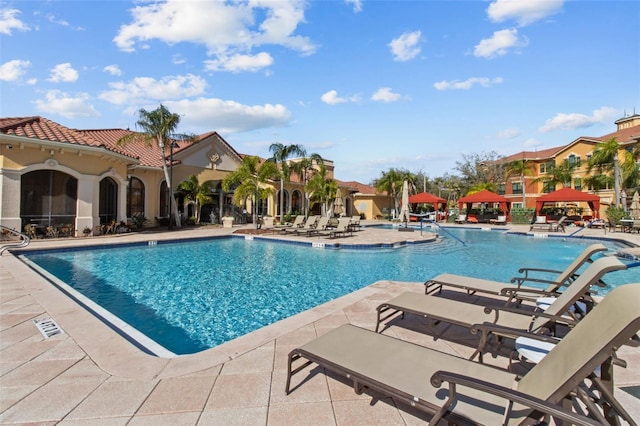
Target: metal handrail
point(23, 242)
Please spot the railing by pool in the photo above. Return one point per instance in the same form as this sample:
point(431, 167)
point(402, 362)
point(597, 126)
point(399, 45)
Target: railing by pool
point(10, 238)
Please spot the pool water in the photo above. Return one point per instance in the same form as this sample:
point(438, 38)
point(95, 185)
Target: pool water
point(193, 295)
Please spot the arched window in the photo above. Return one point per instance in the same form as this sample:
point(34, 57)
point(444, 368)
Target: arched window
point(108, 200)
point(48, 197)
point(286, 202)
point(135, 196)
point(296, 202)
point(164, 199)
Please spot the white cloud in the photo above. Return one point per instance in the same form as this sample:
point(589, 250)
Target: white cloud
point(332, 98)
point(357, 5)
point(467, 84)
point(113, 70)
point(178, 59)
point(144, 89)
point(576, 121)
point(60, 103)
point(63, 73)
point(532, 143)
point(499, 44)
point(524, 12)
point(227, 29)
point(406, 46)
point(228, 116)
point(385, 94)
point(237, 63)
point(13, 70)
point(508, 133)
point(9, 21)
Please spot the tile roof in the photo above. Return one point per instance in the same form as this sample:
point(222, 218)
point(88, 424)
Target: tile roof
point(622, 136)
point(533, 155)
point(40, 128)
point(360, 187)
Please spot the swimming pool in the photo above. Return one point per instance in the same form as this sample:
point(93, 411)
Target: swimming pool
point(192, 295)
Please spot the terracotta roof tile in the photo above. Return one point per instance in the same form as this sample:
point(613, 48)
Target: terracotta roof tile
point(43, 129)
point(622, 136)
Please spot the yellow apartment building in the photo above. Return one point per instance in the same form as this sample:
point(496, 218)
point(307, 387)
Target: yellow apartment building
point(74, 180)
point(523, 189)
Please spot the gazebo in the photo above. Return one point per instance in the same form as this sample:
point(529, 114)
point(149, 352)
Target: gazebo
point(426, 198)
point(569, 195)
point(486, 196)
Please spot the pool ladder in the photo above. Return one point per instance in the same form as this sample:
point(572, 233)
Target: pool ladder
point(7, 243)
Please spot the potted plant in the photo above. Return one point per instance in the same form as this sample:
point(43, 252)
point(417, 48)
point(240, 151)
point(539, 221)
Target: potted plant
point(86, 231)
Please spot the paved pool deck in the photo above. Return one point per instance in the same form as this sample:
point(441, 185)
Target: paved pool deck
point(90, 375)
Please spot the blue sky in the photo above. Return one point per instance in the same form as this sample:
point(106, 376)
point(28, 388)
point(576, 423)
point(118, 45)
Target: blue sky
point(368, 84)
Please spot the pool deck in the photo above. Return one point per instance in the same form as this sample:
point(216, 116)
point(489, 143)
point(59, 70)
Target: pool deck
point(90, 375)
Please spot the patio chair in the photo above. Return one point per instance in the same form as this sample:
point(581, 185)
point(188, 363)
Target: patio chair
point(500, 220)
point(341, 230)
point(540, 223)
point(354, 222)
point(297, 222)
point(495, 320)
point(310, 223)
point(479, 394)
point(321, 225)
point(559, 225)
point(462, 218)
point(472, 285)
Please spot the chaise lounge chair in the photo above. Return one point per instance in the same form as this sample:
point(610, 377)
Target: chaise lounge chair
point(321, 225)
point(548, 226)
point(310, 223)
point(494, 320)
point(341, 230)
point(479, 394)
point(473, 285)
point(297, 222)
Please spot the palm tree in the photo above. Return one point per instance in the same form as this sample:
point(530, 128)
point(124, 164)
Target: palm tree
point(199, 194)
point(321, 189)
point(604, 161)
point(159, 126)
point(280, 155)
point(558, 175)
point(250, 178)
point(391, 182)
point(303, 169)
point(520, 168)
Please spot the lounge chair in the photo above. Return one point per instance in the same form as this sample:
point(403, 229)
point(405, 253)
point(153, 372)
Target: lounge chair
point(473, 285)
point(548, 226)
point(297, 222)
point(479, 394)
point(321, 225)
point(355, 223)
point(310, 223)
point(500, 220)
point(559, 225)
point(341, 230)
point(474, 317)
point(462, 218)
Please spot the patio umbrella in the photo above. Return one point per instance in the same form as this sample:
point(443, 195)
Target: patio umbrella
point(404, 211)
point(338, 204)
point(635, 206)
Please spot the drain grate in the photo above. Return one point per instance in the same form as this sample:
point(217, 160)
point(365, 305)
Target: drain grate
point(48, 327)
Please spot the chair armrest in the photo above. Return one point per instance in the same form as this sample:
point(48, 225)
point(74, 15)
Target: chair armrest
point(537, 313)
point(537, 404)
point(513, 333)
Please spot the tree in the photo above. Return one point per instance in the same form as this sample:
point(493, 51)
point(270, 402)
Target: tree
point(392, 181)
point(199, 194)
point(604, 161)
point(558, 175)
point(302, 168)
point(159, 126)
point(520, 168)
point(479, 168)
point(280, 155)
point(250, 178)
point(321, 189)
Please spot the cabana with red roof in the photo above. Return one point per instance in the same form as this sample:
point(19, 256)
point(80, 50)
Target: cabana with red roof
point(426, 198)
point(486, 196)
point(569, 195)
